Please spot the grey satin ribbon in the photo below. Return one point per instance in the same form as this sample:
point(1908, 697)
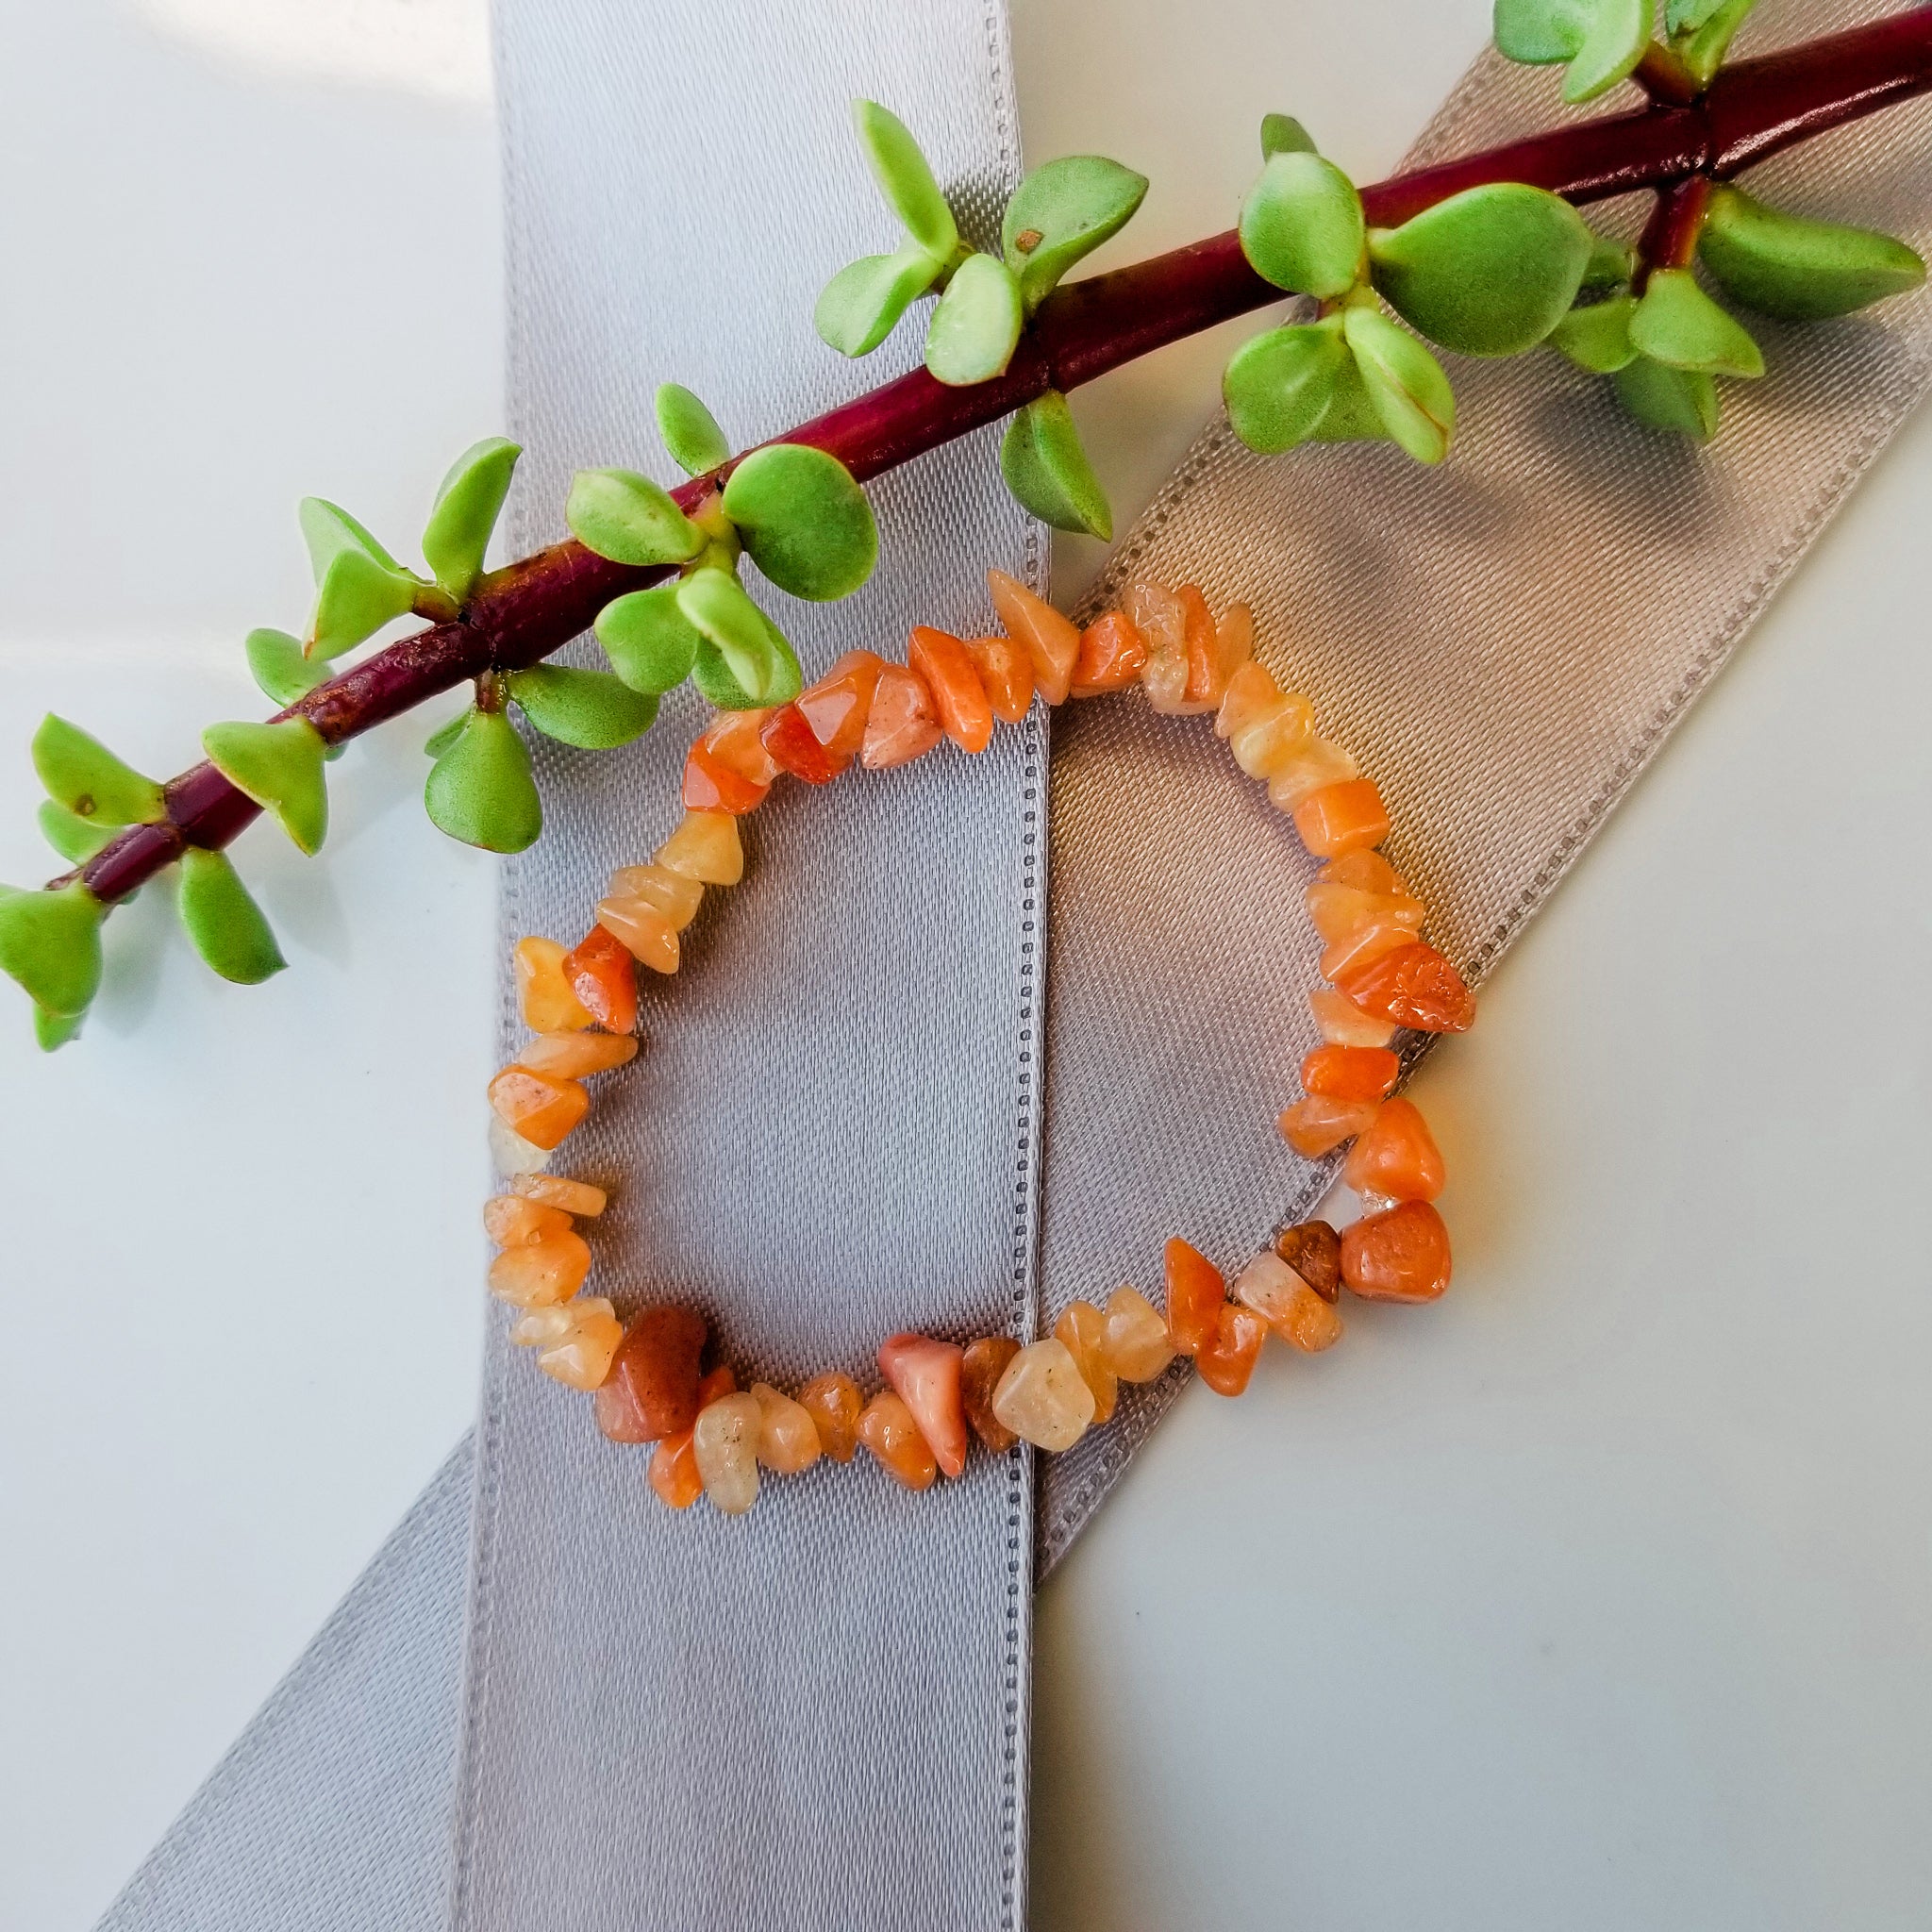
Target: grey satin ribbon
point(684, 1724)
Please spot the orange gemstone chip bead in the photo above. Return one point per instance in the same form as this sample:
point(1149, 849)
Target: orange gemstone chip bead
point(1348, 817)
point(838, 706)
point(1413, 985)
point(1227, 1362)
point(980, 1369)
point(543, 994)
point(1195, 1296)
point(653, 1388)
point(1082, 1331)
point(1397, 1156)
point(1052, 641)
point(958, 699)
point(600, 972)
point(1005, 670)
point(1400, 1255)
point(1350, 1073)
point(673, 1470)
point(924, 1374)
point(541, 1109)
point(540, 1273)
point(512, 1221)
point(575, 1197)
point(834, 1403)
point(1318, 1125)
point(1112, 655)
point(903, 725)
point(887, 1428)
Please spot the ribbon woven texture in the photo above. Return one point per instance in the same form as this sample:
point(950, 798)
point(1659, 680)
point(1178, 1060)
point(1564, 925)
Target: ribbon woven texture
point(819, 1716)
point(1504, 642)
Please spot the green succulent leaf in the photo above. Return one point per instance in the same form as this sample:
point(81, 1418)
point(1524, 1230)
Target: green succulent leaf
point(720, 688)
point(908, 182)
point(75, 838)
point(359, 586)
point(1660, 397)
point(228, 927)
point(465, 512)
point(1601, 39)
point(1282, 134)
point(1687, 16)
point(591, 710)
point(445, 734)
point(714, 603)
point(481, 791)
point(1350, 415)
point(282, 671)
point(52, 1031)
point(279, 766)
point(1490, 271)
point(1278, 386)
point(81, 772)
point(50, 941)
point(1302, 226)
point(1612, 263)
point(861, 305)
point(691, 432)
point(1676, 323)
point(1702, 44)
point(650, 644)
point(1786, 264)
point(1063, 211)
point(629, 519)
point(976, 327)
point(1047, 467)
point(1598, 338)
point(803, 520)
point(1404, 382)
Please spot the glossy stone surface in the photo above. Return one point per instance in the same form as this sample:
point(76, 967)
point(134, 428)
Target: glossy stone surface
point(1160, 616)
point(574, 1056)
point(1344, 1024)
point(1400, 1255)
point(725, 1443)
point(958, 699)
point(1289, 1307)
point(1137, 1345)
point(1313, 1250)
point(710, 785)
point(1042, 1397)
point(794, 748)
point(1413, 985)
point(672, 896)
point(787, 1437)
point(1082, 1331)
point(903, 725)
point(514, 1221)
point(1113, 654)
point(1312, 1322)
point(1346, 817)
point(1364, 872)
point(600, 972)
point(925, 1375)
point(1052, 642)
point(1315, 1127)
point(1316, 764)
point(1338, 910)
point(1357, 951)
point(1350, 1073)
point(577, 1342)
point(673, 1466)
point(1397, 1157)
point(1227, 1362)
point(834, 1403)
point(1234, 645)
point(553, 1191)
point(980, 1369)
point(705, 847)
point(838, 706)
point(543, 996)
point(541, 1109)
point(1195, 1295)
point(543, 1272)
point(1006, 670)
point(643, 932)
point(735, 741)
point(887, 1430)
point(653, 1388)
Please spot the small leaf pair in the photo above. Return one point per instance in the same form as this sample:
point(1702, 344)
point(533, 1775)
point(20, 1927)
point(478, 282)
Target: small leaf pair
point(360, 587)
point(706, 628)
point(89, 783)
point(1598, 42)
point(1352, 375)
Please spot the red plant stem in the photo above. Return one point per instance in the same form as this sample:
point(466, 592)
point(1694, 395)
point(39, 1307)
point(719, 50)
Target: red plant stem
point(1670, 237)
point(521, 613)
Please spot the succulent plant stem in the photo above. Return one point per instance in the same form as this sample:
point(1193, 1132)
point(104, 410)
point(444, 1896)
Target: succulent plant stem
point(520, 614)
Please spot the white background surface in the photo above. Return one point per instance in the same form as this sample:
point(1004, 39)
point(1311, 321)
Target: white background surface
point(1597, 1596)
